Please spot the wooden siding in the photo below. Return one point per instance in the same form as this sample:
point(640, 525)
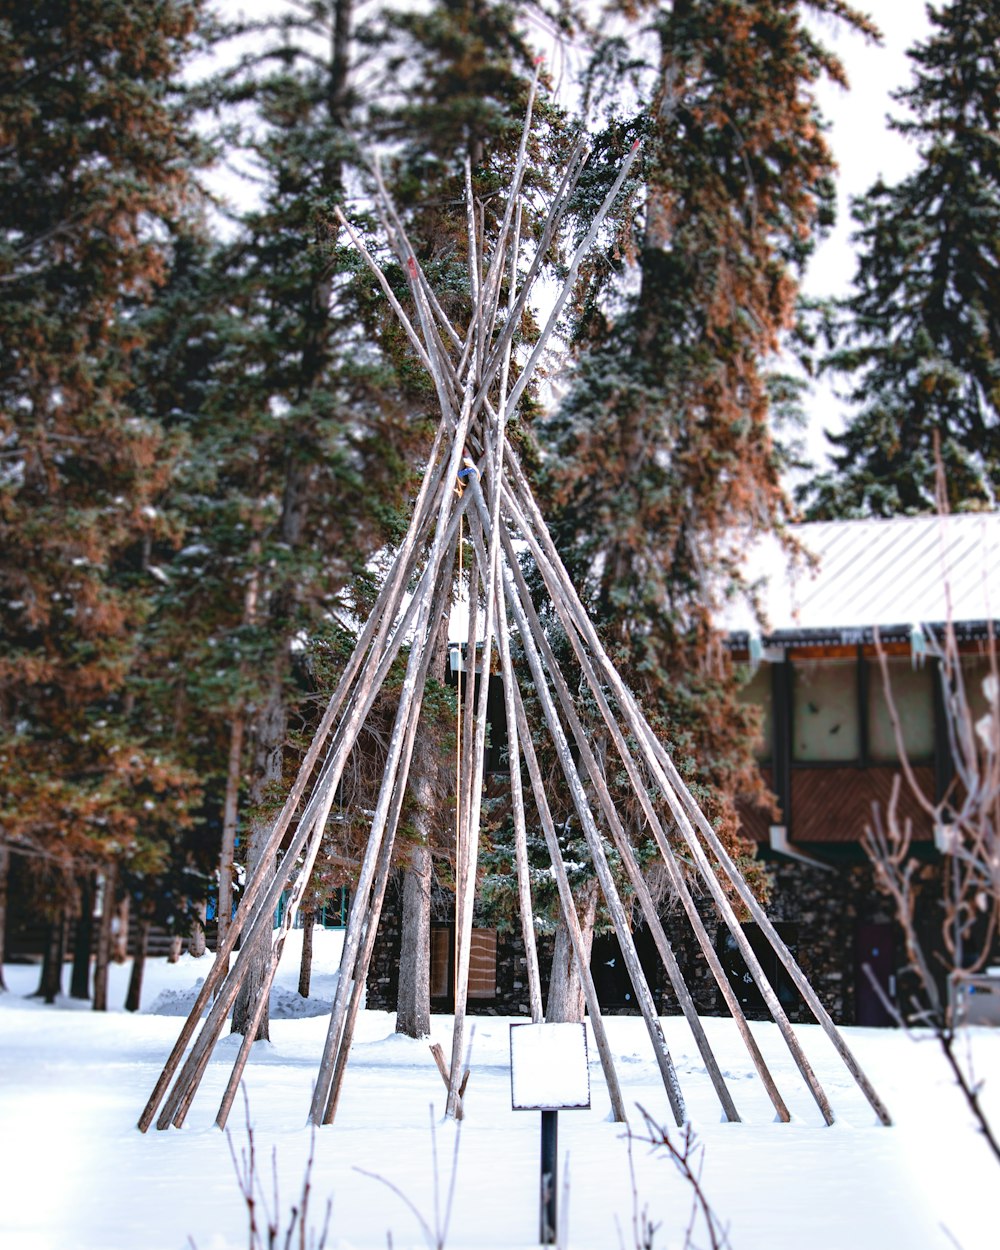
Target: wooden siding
point(835, 804)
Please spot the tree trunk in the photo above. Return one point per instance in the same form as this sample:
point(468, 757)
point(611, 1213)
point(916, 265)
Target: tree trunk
point(176, 946)
point(104, 935)
point(306, 964)
point(565, 1002)
point(413, 999)
point(259, 964)
point(229, 817)
point(79, 981)
point(119, 930)
point(270, 731)
point(134, 996)
point(50, 983)
point(4, 870)
point(196, 942)
point(413, 995)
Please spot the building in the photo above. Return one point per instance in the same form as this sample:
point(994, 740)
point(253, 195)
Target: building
point(828, 749)
point(829, 753)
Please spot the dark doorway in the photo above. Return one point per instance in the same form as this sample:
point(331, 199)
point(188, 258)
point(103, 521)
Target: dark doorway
point(612, 982)
point(873, 947)
point(744, 986)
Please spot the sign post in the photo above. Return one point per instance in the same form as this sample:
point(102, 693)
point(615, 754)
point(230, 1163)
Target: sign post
point(549, 1073)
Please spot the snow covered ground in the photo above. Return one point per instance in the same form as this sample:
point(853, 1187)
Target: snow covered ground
point(75, 1173)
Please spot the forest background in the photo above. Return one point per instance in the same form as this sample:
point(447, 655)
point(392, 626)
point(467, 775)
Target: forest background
point(210, 427)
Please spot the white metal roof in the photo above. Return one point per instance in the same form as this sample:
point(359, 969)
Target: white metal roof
point(901, 571)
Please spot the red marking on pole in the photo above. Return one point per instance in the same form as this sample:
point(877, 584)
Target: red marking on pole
point(540, 58)
point(411, 265)
point(635, 145)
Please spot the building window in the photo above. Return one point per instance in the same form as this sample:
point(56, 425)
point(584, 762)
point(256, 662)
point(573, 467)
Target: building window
point(440, 962)
point(740, 978)
point(913, 694)
point(757, 691)
point(482, 963)
point(825, 720)
point(975, 670)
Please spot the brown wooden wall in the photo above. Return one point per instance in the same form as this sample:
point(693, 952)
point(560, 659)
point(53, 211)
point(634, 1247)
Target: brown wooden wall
point(835, 804)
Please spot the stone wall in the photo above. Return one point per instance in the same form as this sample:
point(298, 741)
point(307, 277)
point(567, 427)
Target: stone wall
point(822, 907)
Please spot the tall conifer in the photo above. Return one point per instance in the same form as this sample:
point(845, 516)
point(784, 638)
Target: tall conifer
point(300, 448)
point(95, 165)
point(662, 462)
point(920, 333)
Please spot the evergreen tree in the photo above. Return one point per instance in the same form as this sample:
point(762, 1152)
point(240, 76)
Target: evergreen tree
point(95, 163)
point(661, 461)
point(299, 447)
point(920, 333)
point(456, 86)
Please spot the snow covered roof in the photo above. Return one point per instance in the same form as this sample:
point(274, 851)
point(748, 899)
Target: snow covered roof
point(891, 573)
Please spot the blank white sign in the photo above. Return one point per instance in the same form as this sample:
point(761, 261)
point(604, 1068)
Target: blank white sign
point(548, 1067)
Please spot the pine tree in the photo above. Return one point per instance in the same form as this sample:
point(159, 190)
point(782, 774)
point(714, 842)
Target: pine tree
point(920, 333)
point(95, 163)
point(662, 463)
point(456, 87)
point(298, 444)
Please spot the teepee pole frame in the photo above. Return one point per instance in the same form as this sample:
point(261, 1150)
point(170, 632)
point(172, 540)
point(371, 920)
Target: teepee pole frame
point(593, 837)
point(640, 787)
point(568, 906)
point(471, 375)
point(306, 842)
point(598, 783)
point(640, 728)
point(373, 911)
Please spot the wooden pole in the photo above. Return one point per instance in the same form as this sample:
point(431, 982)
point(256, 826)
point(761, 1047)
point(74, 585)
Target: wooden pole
point(570, 280)
point(599, 785)
point(594, 843)
point(520, 829)
point(374, 910)
point(370, 913)
point(407, 694)
point(679, 885)
point(372, 636)
point(650, 747)
point(568, 905)
point(812, 1000)
point(471, 798)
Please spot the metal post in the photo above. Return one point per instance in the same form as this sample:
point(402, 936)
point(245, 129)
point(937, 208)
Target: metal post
point(549, 1180)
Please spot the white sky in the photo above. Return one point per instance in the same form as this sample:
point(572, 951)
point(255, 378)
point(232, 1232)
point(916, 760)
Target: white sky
point(865, 148)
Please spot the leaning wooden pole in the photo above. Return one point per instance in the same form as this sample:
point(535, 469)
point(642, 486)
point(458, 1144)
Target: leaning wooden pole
point(674, 789)
point(727, 913)
point(520, 829)
point(472, 805)
point(639, 786)
point(388, 597)
point(761, 918)
point(221, 982)
point(373, 910)
point(626, 853)
point(594, 845)
point(568, 905)
point(407, 695)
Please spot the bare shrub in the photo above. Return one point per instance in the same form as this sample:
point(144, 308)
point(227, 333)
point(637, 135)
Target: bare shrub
point(967, 821)
point(687, 1156)
point(264, 1220)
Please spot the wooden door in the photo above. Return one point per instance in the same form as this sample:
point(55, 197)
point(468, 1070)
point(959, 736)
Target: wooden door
point(874, 947)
